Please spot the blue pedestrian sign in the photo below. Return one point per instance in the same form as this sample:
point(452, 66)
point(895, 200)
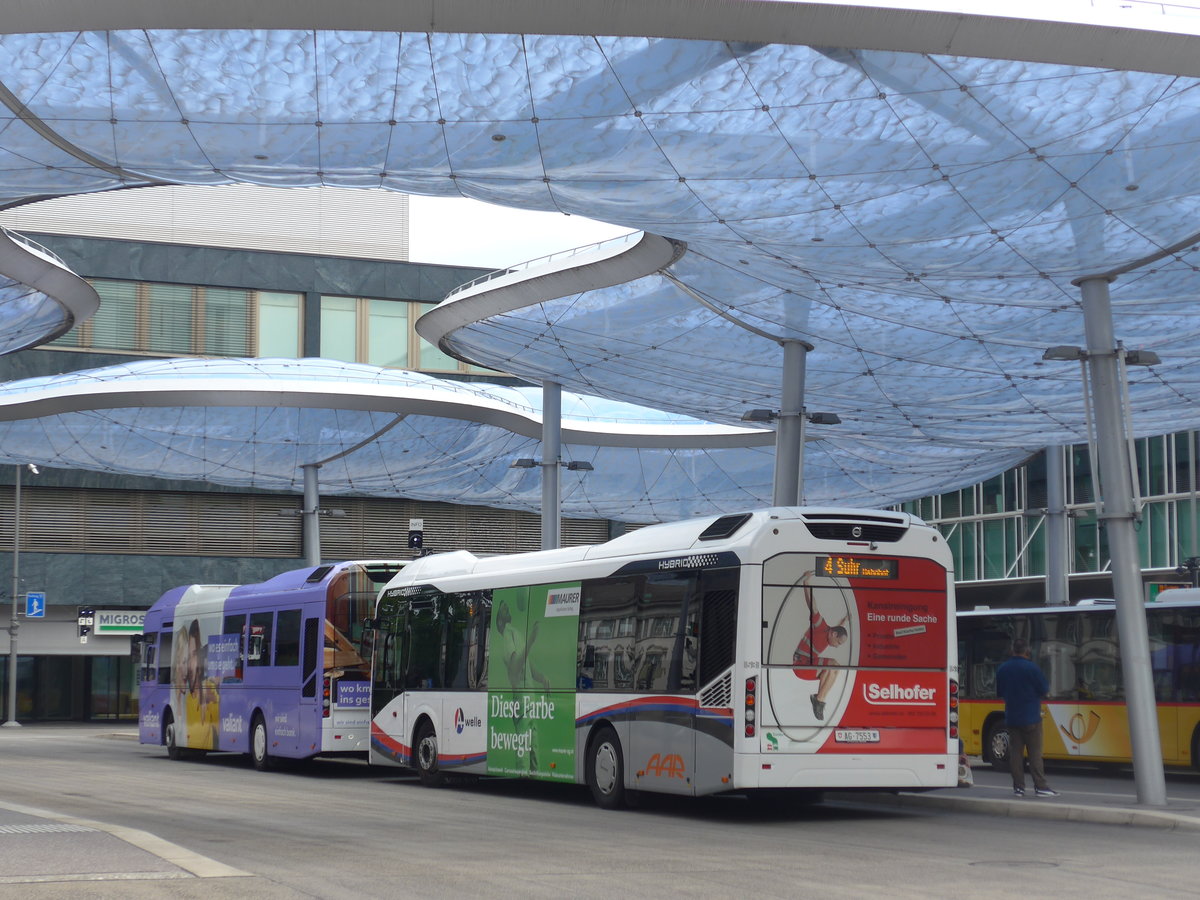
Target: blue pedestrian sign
point(35, 605)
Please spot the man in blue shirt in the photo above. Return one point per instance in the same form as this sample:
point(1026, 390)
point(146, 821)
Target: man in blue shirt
point(1022, 685)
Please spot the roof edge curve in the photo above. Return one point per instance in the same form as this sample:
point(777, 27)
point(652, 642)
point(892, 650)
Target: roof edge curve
point(1110, 38)
point(25, 262)
point(615, 261)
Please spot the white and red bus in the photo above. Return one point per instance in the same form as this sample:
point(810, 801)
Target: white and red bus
point(275, 670)
point(780, 650)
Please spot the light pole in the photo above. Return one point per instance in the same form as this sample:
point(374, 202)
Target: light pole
point(15, 622)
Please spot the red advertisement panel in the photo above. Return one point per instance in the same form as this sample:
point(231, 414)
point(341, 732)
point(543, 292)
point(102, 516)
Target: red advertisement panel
point(901, 629)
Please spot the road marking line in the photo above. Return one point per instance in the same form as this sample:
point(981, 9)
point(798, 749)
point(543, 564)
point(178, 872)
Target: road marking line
point(104, 876)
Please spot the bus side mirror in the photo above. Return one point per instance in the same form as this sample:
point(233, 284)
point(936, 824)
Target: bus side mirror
point(589, 657)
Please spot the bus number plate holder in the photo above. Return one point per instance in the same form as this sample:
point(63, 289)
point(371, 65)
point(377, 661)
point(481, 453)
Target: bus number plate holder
point(856, 736)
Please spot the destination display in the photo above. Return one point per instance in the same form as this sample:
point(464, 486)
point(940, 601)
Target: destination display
point(858, 567)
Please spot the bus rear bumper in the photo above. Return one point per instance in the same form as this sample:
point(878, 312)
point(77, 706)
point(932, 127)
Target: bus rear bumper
point(882, 772)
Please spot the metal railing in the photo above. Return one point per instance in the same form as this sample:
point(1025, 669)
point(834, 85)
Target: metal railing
point(33, 246)
point(544, 260)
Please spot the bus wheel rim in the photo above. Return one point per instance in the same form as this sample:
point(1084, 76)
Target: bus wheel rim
point(606, 768)
point(427, 754)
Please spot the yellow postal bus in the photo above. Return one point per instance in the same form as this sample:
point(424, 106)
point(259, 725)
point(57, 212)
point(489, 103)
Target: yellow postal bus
point(1084, 716)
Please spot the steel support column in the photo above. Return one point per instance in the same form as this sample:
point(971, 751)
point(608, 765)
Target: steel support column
point(789, 434)
point(14, 624)
point(1117, 513)
point(311, 522)
point(1057, 531)
point(551, 450)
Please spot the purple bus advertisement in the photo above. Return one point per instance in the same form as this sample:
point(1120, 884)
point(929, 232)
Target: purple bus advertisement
point(278, 670)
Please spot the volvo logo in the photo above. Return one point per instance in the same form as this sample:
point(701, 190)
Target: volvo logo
point(856, 531)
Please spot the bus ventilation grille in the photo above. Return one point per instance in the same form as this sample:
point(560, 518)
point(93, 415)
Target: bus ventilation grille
point(719, 693)
point(843, 531)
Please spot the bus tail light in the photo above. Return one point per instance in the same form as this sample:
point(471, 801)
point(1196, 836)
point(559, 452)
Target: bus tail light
point(751, 703)
point(325, 697)
point(953, 709)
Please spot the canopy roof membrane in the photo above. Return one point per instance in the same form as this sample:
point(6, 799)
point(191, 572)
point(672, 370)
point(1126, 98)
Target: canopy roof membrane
point(917, 217)
point(381, 432)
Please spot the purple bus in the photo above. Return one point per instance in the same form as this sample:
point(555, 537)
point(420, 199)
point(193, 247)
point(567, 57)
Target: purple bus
point(278, 670)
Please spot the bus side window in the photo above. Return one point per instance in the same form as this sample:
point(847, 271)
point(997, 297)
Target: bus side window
point(1099, 665)
point(1057, 653)
point(1187, 650)
point(236, 625)
point(718, 623)
point(607, 633)
point(466, 642)
point(287, 637)
point(164, 657)
point(258, 643)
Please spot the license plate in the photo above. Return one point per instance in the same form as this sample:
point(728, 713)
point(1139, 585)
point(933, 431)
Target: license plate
point(861, 736)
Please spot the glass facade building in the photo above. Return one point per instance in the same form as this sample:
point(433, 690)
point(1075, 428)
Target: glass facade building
point(997, 528)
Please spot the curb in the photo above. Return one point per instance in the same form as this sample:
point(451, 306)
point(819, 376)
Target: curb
point(1051, 810)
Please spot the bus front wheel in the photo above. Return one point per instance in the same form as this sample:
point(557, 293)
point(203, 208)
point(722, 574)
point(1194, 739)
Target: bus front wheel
point(426, 753)
point(259, 752)
point(606, 770)
point(995, 745)
point(173, 749)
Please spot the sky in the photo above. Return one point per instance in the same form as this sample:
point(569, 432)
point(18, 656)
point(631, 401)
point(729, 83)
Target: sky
point(356, 223)
point(457, 231)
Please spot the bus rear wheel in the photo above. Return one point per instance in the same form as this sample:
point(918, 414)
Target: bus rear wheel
point(606, 770)
point(259, 752)
point(426, 752)
point(995, 745)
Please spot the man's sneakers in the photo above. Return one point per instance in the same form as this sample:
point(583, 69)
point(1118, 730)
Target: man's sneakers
point(1039, 792)
point(818, 708)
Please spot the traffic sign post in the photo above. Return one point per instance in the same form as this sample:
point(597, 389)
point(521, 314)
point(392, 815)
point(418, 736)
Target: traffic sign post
point(86, 619)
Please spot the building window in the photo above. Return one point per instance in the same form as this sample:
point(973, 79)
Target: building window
point(381, 333)
point(189, 320)
point(339, 328)
point(280, 325)
point(387, 334)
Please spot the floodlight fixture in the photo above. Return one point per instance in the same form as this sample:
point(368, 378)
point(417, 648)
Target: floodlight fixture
point(578, 465)
point(1065, 352)
point(760, 415)
point(523, 463)
point(1142, 358)
point(823, 418)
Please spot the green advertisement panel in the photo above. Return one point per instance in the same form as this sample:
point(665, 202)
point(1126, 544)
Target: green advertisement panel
point(531, 681)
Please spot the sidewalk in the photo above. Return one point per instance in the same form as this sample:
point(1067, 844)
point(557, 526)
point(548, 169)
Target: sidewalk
point(992, 795)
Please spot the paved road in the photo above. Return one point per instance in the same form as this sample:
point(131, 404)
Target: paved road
point(85, 812)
